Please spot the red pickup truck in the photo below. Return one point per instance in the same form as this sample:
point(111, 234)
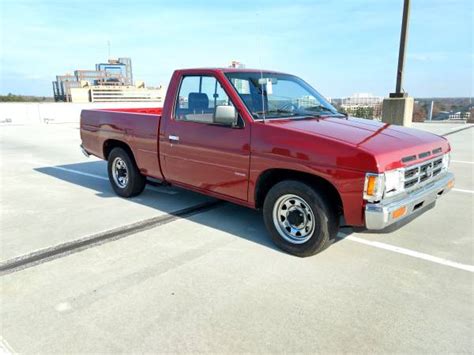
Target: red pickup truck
point(269, 141)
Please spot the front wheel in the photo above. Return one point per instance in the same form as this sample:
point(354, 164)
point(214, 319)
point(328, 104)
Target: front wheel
point(300, 219)
point(126, 179)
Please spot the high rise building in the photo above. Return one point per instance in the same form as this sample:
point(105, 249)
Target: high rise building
point(119, 68)
point(114, 72)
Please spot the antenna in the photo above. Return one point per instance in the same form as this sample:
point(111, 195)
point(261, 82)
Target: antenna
point(259, 46)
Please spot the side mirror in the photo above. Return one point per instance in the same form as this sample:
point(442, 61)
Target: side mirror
point(226, 115)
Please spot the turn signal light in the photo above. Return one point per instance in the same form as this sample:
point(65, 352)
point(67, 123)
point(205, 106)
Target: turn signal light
point(399, 212)
point(451, 184)
point(371, 185)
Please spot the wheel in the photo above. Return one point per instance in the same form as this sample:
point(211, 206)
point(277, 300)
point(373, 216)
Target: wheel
point(126, 179)
point(301, 220)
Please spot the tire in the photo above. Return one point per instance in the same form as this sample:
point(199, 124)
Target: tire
point(126, 179)
point(300, 219)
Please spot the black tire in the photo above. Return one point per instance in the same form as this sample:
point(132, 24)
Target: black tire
point(136, 181)
point(324, 226)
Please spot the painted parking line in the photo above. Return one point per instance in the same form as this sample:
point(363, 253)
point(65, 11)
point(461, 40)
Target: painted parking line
point(5, 348)
point(465, 191)
point(95, 176)
point(79, 172)
point(412, 253)
point(462, 162)
point(457, 130)
point(153, 188)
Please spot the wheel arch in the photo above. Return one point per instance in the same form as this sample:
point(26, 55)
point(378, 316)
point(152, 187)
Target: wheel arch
point(271, 177)
point(110, 144)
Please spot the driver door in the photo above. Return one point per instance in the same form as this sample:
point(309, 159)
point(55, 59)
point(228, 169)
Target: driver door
point(199, 152)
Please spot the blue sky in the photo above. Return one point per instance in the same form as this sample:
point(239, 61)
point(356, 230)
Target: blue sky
point(340, 47)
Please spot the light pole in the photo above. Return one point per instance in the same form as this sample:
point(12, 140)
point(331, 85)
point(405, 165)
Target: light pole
point(401, 52)
point(398, 107)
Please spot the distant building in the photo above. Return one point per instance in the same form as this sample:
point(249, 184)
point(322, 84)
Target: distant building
point(458, 115)
point(63, 85)
point(451, 115)
point(116, 72)
point(361, 99)
point(121, 68)
point(115, 93)
point(363, 102)
point(236, 64)
point(306, 101)
point(242, 86)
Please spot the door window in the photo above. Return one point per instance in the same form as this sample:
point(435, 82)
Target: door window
point(198, 97)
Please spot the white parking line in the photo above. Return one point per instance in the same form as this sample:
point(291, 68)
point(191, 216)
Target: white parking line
point(412, 253)
point(5, 348)
point(79, 172)
point(465, 191)
point(462, 162)
point(153, 188)
point(49, 165)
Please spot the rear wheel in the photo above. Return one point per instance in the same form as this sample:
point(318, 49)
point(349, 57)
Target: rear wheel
point(300, 219)
point(126, 179)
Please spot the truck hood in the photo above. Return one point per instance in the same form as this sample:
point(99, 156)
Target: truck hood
point(392, 146)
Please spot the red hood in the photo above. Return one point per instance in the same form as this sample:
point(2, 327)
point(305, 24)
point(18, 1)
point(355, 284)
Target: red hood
point(387, 143)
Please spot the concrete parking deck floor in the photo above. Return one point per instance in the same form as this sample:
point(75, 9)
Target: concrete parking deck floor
point(212, 281)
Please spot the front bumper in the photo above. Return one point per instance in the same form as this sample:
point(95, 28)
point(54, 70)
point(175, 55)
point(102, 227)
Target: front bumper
point(380, 215)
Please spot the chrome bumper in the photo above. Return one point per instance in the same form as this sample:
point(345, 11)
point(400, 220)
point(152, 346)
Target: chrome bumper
point(380, 215)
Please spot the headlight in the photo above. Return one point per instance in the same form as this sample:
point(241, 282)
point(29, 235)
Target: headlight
point(373, 187)
point(387, 184)
point(446, 161)
point(394, 181)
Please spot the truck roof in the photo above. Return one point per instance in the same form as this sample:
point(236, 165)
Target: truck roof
point(228, 70)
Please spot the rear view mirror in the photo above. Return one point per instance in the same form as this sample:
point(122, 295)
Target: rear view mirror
point(226, 115)
point(263, 81)
point(268, 83)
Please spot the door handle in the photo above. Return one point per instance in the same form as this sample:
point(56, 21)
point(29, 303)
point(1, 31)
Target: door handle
point(173, 138)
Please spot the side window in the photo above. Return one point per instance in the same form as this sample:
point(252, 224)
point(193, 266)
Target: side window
point(198, 96)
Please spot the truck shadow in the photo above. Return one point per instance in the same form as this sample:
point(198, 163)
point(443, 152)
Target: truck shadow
point(229, 218)
point(236, 220)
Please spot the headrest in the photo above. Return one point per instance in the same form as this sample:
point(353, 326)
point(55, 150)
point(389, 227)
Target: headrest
point(198, 101)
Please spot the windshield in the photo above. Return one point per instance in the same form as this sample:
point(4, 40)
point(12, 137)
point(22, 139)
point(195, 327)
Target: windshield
point(271, 95)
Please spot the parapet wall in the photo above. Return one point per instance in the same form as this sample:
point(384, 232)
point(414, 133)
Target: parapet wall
point(56, 112)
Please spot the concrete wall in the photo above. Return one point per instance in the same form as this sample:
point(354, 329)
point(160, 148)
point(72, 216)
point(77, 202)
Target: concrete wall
point(56, 112)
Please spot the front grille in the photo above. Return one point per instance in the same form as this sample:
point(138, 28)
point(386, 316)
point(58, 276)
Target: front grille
point(421, 174)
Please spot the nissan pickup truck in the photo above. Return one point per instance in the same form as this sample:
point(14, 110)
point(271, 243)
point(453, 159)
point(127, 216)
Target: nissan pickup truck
point(269, 141)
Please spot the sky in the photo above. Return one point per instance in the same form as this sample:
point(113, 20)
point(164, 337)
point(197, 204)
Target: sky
point(340, 47)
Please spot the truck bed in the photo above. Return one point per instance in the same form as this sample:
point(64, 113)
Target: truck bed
point(137, 127)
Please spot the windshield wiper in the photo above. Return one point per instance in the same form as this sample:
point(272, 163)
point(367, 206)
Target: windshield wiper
point(307, 117)
point(279, 110)
point(283, 113)
point(319, 108)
